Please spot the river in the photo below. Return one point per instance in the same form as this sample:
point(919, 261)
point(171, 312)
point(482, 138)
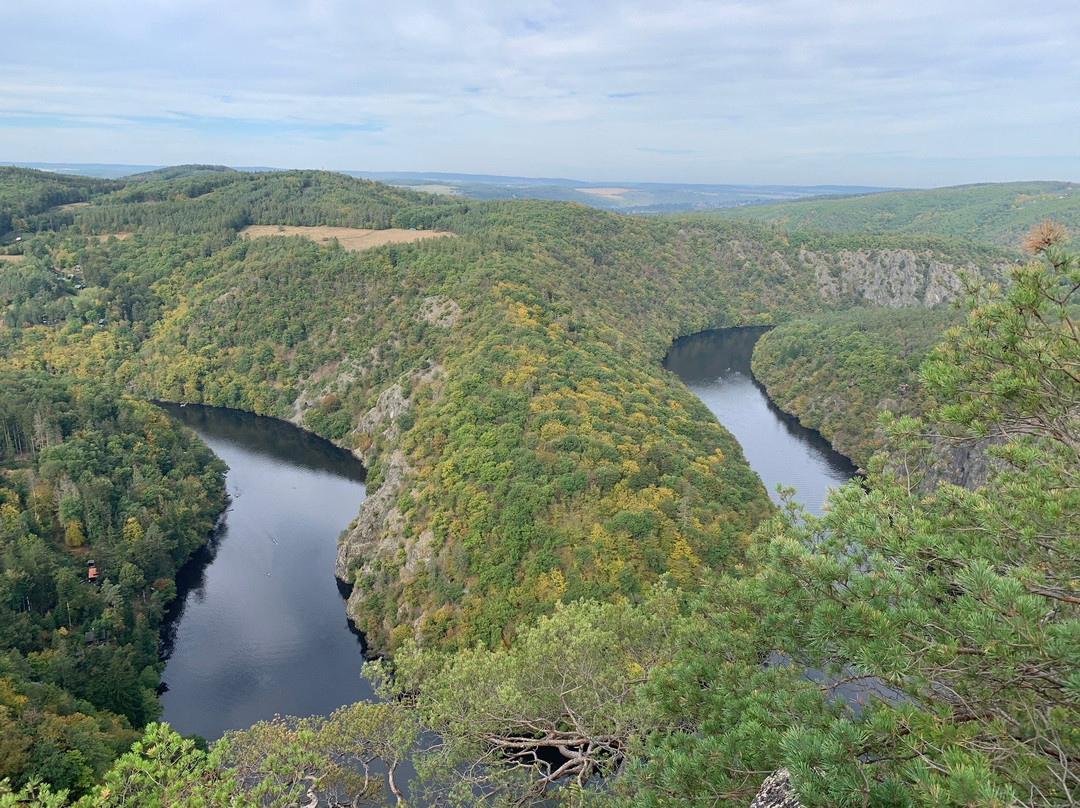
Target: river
point(259, 625)
point(715, 366)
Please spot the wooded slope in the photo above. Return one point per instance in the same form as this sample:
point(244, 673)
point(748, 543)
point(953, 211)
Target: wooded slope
point(503, 386)
point(994, 213)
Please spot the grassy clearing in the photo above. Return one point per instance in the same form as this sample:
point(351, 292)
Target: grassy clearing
point(351, 238)
point(607, 193)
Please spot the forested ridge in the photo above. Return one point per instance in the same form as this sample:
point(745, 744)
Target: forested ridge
point(25, 193)
point(839, 370)
point(994, 213)
point(90, 481)
point(561, 547)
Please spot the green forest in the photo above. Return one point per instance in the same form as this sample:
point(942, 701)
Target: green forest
point(580, 588)
point(91, 481)
point(993, 213)
point(839, 370)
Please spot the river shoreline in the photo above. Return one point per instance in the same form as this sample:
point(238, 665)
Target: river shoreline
point(224, 669)
point(715, 366)
point(258, 626)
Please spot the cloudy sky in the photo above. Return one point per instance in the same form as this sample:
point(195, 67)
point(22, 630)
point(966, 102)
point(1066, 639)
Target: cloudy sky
point(896, 92)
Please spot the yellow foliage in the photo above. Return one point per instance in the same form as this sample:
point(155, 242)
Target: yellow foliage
point(73, 533)
point(520, 314)
point(133, 531)
point(9, 516)
point(683, 563)
point(550, 586)
point(9, 696)
point(552, 430)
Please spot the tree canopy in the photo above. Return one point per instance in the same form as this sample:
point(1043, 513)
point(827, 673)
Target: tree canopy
point(570, 558)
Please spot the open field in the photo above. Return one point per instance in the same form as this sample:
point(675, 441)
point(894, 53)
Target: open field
point(606, 193)
point(444, 190)
point(117, 236)
point(351, 238)
point(11, 259)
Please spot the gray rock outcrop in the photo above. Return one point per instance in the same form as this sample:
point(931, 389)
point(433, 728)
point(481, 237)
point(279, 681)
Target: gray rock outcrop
point(776, 792)
point(887, 277)
point(376, 540)
point(439, 311)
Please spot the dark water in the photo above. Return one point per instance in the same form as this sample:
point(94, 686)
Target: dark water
point(715, 365)
point(262, 629)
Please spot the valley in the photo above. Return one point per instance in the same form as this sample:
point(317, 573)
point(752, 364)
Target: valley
point(539, 486)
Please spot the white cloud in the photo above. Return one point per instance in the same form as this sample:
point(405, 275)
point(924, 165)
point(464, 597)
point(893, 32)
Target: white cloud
point(713, 91)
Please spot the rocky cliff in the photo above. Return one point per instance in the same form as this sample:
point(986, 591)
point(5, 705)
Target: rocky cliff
point(376, 539)
point(886, 277)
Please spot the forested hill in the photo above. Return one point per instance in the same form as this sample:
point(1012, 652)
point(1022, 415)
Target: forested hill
point(503, 384)
point(178, 172)
point(836, 371)
point(25, 192)
point(994, 213)
point(217, 204)
point(91, 483)
point(529, 458)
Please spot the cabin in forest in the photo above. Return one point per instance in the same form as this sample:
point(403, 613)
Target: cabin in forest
point(91, 572)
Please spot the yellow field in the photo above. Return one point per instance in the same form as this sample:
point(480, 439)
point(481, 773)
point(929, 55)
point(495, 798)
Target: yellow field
point(351, 238)
point(607, 193)
point(442, 190)
point(11, 259)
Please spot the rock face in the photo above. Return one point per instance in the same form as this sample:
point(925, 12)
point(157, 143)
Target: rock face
point(382, 419)
point(439, 311)
point(964, 464)
point(776, 792)
point(887, 277)
point(378, 513)
point(377, 535)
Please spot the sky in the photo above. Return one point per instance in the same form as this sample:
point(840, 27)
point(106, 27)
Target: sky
point(904, 93)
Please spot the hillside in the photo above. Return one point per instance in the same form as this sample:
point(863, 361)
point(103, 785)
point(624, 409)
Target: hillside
point(25, 192)
point(503, 386)
point(178, 172)
point(995, 213)
point(557, 533)
point(837, 371)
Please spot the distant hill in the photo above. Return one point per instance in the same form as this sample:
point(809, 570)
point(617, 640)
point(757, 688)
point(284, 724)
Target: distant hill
point(25, 192)
point(109, 171)
point(178, 172)
point(615, 196)
point(998, 213)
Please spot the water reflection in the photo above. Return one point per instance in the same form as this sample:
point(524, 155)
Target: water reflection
point(715, 366)
point(259, 626)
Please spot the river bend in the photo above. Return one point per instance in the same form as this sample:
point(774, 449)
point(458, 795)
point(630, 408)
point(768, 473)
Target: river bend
point(259, 625)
